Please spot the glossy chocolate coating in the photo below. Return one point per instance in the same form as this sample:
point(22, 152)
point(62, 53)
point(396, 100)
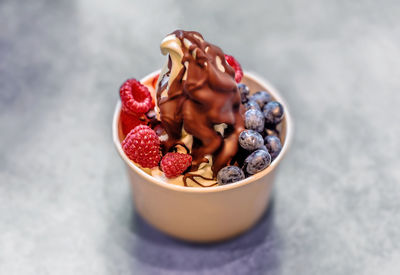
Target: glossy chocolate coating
point(206, 96)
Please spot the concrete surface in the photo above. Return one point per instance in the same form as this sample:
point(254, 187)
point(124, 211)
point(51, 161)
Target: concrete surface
point(65, 206)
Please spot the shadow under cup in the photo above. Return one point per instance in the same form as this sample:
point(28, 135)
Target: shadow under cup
point(204, 214)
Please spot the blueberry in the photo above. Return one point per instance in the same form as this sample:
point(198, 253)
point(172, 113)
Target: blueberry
point(264, 148)
point(257, 161)
point(254, 120)
point(261, 97)
point(273, 145)
point(229, 174)
point(273, 112)
point(271, 132)
point(251, 104)
point(244, 92)
point(250, 140)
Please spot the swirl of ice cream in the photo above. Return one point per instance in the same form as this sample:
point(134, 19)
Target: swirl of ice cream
point(197, 97)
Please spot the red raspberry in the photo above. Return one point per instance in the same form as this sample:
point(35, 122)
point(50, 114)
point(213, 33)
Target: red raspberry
point(174, 164)
point(142, 145)
point(128, 122)
point(135, 97)
point(236, 66)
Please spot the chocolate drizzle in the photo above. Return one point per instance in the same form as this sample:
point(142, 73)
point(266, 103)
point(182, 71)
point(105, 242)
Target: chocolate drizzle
point(203, 94)
point(193, 178)
point(179, 143)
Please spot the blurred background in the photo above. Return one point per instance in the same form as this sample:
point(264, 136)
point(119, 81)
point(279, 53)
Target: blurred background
point(65, 205)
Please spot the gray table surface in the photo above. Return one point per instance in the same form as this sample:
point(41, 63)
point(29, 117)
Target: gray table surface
point(65, 205)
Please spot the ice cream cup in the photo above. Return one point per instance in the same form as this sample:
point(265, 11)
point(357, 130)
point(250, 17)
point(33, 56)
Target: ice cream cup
point(200, 214)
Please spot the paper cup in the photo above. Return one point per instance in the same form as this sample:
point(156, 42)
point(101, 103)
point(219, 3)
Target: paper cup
point(204, 214)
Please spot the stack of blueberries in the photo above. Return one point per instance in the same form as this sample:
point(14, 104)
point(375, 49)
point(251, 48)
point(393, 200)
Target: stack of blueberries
point(260, 141)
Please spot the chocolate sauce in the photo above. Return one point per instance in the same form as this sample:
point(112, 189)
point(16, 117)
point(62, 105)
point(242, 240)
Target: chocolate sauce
point(179, 143)
point(193, 176)
point(203, 94)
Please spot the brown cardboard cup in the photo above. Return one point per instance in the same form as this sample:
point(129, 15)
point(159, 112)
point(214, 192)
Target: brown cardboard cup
point(204, 214)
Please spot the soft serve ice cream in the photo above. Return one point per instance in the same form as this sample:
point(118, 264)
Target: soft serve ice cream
point(199, 117)
point(197, 94)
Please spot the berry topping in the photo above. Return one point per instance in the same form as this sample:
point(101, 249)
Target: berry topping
point(273, 145)
point(229, 174)
point(261, 97)
point(254, 120)
point(264, 148)
point(236, 66)
point(142, 145)
point(257, 161)
point(128, 122)
point(273, 112)
point(244, 92)
point(251, 104)
point(135, 97)
point(174, 164)
point(250, 140)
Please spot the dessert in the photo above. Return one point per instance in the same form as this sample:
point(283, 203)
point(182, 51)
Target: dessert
point(203, 127)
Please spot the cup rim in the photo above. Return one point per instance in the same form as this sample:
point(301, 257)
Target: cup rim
point(219, 188)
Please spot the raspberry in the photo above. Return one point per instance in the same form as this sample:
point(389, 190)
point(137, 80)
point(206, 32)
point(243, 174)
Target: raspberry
point(174, 164)
point(135, 97)
point(236, 66)
point(142, 145)
point(128, 122)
